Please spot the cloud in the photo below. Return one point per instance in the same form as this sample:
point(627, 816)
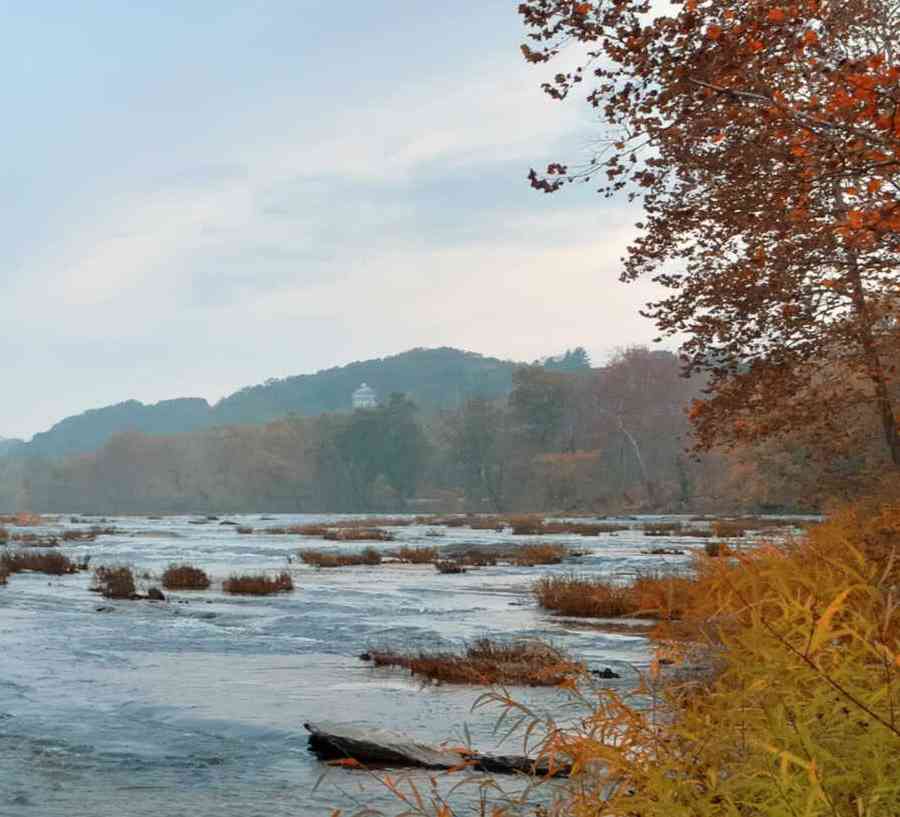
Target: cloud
point(209, 230)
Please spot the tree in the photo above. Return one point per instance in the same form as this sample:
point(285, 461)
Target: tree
point(572, 360)
point(763, 139)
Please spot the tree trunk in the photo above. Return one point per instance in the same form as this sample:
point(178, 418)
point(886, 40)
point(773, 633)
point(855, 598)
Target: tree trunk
point(874, 365)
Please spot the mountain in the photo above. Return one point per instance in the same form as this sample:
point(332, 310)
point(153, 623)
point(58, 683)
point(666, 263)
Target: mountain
point(8, 445)
point(432, 378)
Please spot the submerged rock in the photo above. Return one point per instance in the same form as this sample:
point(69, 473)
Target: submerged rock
point(155, 594)
point(605, 673)
point(380, 747)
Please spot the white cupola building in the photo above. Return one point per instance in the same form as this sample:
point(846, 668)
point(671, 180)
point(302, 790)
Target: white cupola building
point(364, 397)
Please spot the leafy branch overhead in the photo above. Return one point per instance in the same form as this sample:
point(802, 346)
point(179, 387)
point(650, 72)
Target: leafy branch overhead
point(763, 140)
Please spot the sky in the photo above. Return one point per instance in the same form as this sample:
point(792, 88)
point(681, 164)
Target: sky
point(200, 196)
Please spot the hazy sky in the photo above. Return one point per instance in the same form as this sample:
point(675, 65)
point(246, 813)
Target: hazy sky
point(198, 196)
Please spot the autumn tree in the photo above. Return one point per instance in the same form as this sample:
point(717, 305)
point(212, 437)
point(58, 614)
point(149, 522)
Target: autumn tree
point(763, 140)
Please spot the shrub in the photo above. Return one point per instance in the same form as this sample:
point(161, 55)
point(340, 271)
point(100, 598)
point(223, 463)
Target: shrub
point(4, 574)
point(258, 584)
point(54, 564)
point(115, 582)
point(417, 555)
point(798, 711)
point(714, 549)
point(184, 577)
point(487, 662)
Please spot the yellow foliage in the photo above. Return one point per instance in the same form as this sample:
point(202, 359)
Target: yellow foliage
point(801, 715)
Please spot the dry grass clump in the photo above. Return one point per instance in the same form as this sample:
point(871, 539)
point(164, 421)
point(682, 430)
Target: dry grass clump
point(714, 549)
point(729, 529)
point(115, 582)
point(417, 555)
point(309, 530)
point(444, 521)
point(324, 558)
point(449, 567)
point(4, 536)
point(486, 662)
point(4, 574)
point(526, 525)
point(379, 522)
point(476, 556)
point(35, 540)
point(358, 535)
point(663, 529)
point(184, 577)
point(249, 584)
point(22, 520)
point(539, 554)
point(54, 564)
point(590, 598)
point(661, 597)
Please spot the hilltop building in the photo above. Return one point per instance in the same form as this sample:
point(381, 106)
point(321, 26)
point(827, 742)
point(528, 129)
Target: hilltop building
point(364, 397)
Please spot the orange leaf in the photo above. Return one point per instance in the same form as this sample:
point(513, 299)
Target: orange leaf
point(347, 762)
point(714, 32)
point(874, 186)
point(776, 16)
point(583, 9)
point(811, 38)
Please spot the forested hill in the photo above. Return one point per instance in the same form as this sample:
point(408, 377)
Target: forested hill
point(432, 378)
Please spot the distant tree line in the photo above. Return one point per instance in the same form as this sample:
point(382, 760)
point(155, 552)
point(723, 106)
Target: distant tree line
point(608, 439)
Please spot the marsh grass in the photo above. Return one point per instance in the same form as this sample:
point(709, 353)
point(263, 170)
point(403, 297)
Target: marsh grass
point(487, 662)
point(249, 584)
point(185, 577)
point(649, 596)
point(416, 555)
point(358, 534)
point(449, 567)
point(326, 559)
point(539, 554)
point(54, 564)
point(115, 582)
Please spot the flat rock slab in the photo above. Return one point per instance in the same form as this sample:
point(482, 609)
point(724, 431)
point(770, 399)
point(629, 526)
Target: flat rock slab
point(381, 747)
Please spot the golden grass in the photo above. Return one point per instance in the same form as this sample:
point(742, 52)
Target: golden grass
point(248, 584)
point(486, 662)
point(184, 577)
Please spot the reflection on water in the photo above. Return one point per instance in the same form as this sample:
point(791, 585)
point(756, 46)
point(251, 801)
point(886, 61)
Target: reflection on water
point(195, 707)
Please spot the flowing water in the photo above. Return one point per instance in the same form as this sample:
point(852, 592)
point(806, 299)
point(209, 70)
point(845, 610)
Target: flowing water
point(196, 706)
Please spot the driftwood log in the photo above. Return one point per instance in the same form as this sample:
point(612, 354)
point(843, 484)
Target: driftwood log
point(380, 747)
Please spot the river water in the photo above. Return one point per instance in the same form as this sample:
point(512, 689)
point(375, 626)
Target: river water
point(196, 706)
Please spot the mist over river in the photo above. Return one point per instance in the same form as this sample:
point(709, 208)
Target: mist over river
point(196, 706)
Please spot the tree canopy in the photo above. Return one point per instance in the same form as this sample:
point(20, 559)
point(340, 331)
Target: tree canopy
point(763, 140)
